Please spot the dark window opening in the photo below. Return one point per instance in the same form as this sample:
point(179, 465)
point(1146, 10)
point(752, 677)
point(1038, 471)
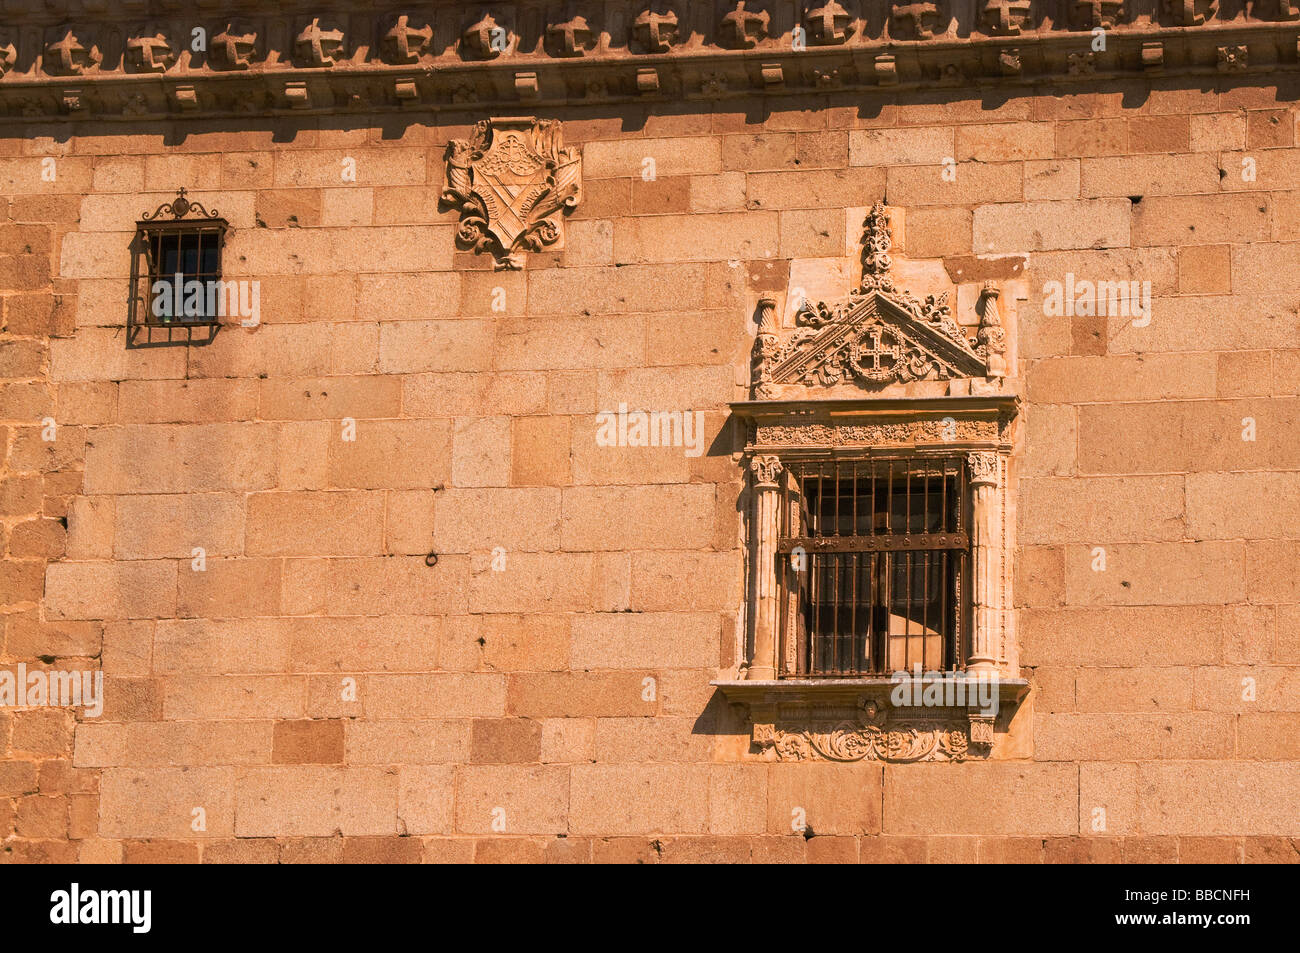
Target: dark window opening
point(873, 565)
point(176, 283)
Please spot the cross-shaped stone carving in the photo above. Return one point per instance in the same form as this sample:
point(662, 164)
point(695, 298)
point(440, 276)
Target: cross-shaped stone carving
point(1287, 10)
point(656, 31)
point(1099, 13)
point(743, 27)
point(404, 43)
point(320, 47)
point(922, 18)
point(570, 36)
point(479, 38)
point(1186, 12)
point(233, 49)
point(151, 53)
point(69, 55)
point(1004, 17)
point(827, 23)
point(880, 356)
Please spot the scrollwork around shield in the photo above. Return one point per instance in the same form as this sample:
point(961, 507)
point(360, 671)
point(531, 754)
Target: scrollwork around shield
point(511, 181)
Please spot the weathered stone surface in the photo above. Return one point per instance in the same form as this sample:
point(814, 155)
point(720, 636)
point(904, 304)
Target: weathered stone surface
point(368, 580)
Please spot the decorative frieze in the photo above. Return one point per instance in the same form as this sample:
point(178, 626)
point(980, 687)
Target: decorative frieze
point(903, 433)
point(362, 59)
point(905, 742)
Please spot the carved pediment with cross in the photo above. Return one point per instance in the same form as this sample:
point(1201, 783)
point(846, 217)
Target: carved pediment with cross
point(877, 336)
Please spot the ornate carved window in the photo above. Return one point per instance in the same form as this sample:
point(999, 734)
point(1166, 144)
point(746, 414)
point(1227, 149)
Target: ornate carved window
point(879, 437)
point(176, 287)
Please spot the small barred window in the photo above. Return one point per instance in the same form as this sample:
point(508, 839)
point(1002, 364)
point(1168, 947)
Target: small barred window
point(176, 285)
point(875, 558)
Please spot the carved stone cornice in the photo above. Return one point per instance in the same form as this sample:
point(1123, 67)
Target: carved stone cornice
point(333, 57)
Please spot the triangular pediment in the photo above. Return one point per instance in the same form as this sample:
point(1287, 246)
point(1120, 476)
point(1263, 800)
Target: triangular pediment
point(872, 340)
point(879, 336)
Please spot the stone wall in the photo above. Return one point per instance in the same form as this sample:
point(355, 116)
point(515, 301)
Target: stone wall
point(541, 692)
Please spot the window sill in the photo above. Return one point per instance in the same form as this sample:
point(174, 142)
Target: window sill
point(861, 719)
point(857, 691)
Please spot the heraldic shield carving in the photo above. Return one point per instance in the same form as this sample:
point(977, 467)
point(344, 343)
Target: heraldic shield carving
point(511, 181)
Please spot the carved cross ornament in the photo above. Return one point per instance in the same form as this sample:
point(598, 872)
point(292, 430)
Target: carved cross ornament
point(511, 182)
point(880, 334)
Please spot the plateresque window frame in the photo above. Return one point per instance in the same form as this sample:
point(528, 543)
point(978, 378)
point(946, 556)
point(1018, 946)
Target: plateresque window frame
point(879, 376)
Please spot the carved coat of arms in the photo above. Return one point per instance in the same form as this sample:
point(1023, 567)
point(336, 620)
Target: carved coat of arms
point(511, 181)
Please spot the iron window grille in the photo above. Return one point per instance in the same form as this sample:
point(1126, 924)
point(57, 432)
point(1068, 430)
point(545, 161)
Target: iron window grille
point(176, 285)
point(874, 560)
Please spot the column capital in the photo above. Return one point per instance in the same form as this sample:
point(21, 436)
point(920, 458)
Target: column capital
point(985, 468)
point(767, 468)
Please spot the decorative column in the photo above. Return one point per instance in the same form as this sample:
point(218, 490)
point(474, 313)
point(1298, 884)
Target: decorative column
point(991, 338)
point(986, 559)
point(765, 349)
point(767, 471)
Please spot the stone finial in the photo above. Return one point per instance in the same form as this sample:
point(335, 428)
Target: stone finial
point(991, 337)
point(569, 37)
point(876, 243)
point(766, 347)
point(68, 56)
point(1191, 12)
point(233, 48)
point(1004, 17)
point(485, 38)
point(917, 20)
point(1091, 14)
point(150, 54)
